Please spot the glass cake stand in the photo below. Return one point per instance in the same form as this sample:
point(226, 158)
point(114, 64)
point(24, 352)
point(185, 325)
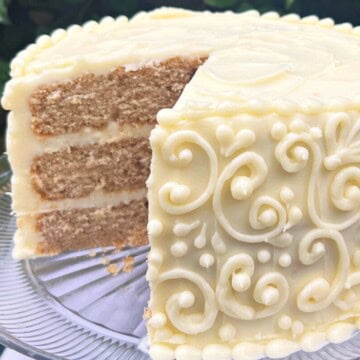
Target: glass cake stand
point(71, 307)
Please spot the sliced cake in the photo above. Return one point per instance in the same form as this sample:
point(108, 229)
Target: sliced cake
point(254, 200)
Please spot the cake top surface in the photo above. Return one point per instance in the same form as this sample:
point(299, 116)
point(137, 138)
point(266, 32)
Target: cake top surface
point(250, 57)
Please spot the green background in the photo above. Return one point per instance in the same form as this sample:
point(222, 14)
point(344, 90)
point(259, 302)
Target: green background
point(21, 21)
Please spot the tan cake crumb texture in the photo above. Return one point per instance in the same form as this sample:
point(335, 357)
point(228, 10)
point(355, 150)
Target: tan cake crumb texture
point(128, 264)
point(105, 260)
point(147, 314)
point(129, 98)
point(113, 269)
point(92, 253)
point(77, 171)
point(126, 97)
point(93, 227)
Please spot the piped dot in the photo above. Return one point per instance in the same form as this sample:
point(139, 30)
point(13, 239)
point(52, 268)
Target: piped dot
point(297, 328)
point(155, 227)
point(241, 187)
point(206, 260)
point(295, 214)
point(240, 282)
point(332, 162)
point(155, 257)
point(278, 131)
point(353, 192)
point(186, 299)
point(157, 320)
point(270, 296)
point(285, 322)
point(286, 194)
point(247, 137)
point(264, 256)
point(180, 194)
point(316, 132)
point(285, 260)
point(186, 155)
point(301, 153)
point(179, 249)
point(268, 217)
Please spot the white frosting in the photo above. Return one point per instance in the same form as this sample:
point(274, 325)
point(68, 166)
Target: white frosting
point(303, 214)
point(269, 50)
point(285, 260)
point(179, 248)
point(27, 237)
point(260, 153)
point(272, 188)
point(263, 256)
point(206, 260)
point(25, 199)
point(285, 322)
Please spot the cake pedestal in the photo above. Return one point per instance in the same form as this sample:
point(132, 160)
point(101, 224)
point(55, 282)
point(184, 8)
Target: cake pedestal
point(74, 306)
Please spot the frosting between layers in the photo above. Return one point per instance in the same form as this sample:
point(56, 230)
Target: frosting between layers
point(28, 201)
point(27, 237)
point(25, 199)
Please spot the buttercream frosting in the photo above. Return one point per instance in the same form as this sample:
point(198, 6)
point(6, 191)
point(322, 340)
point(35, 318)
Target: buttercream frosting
point(254, 189)
point(270, 227)
point(257, 164)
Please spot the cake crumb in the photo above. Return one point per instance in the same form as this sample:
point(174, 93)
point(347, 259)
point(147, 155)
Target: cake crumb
point(128, 265)
point(105, 260)
point(147, 313)
point(119, 246)
point(113, 269)
point(92, 253)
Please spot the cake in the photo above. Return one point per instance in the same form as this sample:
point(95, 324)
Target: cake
point(253, 193)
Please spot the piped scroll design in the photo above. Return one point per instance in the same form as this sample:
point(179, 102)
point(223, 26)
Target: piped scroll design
point(271, 291)
point(174, 197)
point(178, 304)
point(266, 213)
point(342, 143)
point(319, 293)
point(348, 298)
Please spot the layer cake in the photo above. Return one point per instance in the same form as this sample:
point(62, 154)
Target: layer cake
point(254, 181)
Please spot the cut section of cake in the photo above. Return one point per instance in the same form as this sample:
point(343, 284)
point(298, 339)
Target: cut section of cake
point(254, 200)
point(79, 182)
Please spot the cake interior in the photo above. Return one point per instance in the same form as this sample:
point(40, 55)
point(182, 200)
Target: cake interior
point(130, 99)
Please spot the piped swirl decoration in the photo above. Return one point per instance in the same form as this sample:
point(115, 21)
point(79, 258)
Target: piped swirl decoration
point(271, 291)
point(265, 212)
point(345, 189)
point(179, 303)
point(343, 149)
point(319, 293)
point(342, 141)
point(174, 197)
point(348, 298)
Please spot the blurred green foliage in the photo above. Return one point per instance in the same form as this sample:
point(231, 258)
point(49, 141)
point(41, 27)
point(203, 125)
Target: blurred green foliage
point(21, 21)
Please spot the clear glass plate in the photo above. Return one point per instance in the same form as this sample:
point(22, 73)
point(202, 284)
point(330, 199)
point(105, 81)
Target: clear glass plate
point(70, 307)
